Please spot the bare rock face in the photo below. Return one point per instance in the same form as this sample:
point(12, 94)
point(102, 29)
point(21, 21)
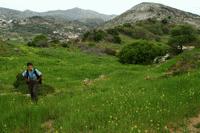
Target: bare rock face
point(147, 10)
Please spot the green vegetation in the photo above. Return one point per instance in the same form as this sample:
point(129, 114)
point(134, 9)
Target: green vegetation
point(39, 41)
point(21, 86)
point(95, 93)
point(65, 45)
point(32, 29)
point(141, 52)
point(173, 38)
point(111, 35)
point(94, 35)
point(182, 35)
point(149, 30)
point(115, 38)
point(186, 63)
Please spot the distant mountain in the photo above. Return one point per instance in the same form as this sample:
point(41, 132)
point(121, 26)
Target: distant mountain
point(78, 14)
point(156, 11)
point(30, 26)
point(8, 14)
point(62, 24)
point(69, 15)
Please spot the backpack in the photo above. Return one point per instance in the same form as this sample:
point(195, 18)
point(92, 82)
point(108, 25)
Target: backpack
point(38, 77)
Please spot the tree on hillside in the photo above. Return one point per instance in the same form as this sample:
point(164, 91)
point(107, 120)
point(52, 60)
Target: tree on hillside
point(39, 41)
point(95, 35)
point(180, 36)
point(98, 35)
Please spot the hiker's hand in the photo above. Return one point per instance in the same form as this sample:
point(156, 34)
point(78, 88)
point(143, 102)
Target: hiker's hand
point(27, 80)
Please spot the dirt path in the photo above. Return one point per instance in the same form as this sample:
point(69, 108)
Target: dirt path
point(194, 124)
point(190, 126)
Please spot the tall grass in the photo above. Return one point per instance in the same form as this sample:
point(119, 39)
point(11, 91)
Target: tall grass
point(130, 98)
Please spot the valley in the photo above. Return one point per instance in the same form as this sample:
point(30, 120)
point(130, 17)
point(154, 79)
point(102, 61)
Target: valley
point(136, 72)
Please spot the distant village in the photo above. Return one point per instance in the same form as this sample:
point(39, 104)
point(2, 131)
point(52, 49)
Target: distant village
point(66, 34)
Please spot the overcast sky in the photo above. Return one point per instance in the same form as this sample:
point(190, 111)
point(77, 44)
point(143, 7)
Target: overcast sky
point(102, 6)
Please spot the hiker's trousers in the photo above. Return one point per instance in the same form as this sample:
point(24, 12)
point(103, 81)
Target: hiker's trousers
point(33, 89)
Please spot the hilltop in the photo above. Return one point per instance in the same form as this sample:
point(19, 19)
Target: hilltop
point(146, 10)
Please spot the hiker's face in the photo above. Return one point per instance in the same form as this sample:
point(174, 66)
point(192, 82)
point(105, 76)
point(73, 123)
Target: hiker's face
point(30, 67)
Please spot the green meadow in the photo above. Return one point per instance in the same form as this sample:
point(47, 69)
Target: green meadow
point(95, 94)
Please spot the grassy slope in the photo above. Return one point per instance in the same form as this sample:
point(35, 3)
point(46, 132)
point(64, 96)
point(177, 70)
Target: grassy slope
point(125, 40)
point(123, 101)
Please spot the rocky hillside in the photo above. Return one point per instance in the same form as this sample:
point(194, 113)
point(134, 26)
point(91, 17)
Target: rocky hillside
point(53, 27)
point(157, 11)
point(63, 24)
point(69, 15)
point(78, 14)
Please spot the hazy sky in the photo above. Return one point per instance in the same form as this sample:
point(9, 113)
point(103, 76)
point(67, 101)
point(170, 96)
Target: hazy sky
point(102, 6)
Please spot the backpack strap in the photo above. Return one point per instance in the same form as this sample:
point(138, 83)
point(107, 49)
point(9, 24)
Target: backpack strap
point(38, 77)
point(36, 74)
point(27, 74)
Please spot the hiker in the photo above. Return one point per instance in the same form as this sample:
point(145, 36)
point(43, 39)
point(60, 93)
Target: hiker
point(33, 78)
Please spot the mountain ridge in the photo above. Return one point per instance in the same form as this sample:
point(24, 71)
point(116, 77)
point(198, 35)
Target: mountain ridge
point(150, 10)
point(69, 14)
point(72, 23)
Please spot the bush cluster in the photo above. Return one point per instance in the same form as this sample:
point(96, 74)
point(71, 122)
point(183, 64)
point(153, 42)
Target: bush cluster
point(110, 35)
point(148, 30)
point(95, 35)
point(141, 52)
point(39, 41)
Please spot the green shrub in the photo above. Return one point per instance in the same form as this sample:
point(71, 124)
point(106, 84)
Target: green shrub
point(30, 43)
point(187, 62)
point(110, 51)
point(166, 29)
point(95, 35)
point(136, 32)
point(91, 44)
point(65, 45)
point(141, 52)
point(112, 38)
point(113, 31)
point(154, 26)
point(39, 41)
point(116, 39)
point(142, 33)
point(164, 21)
point(128, 25)
point(32, 29)
point(55, 41)
point(198, 31)
point(98, 35)
point(125, 30)
point(86, 36)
